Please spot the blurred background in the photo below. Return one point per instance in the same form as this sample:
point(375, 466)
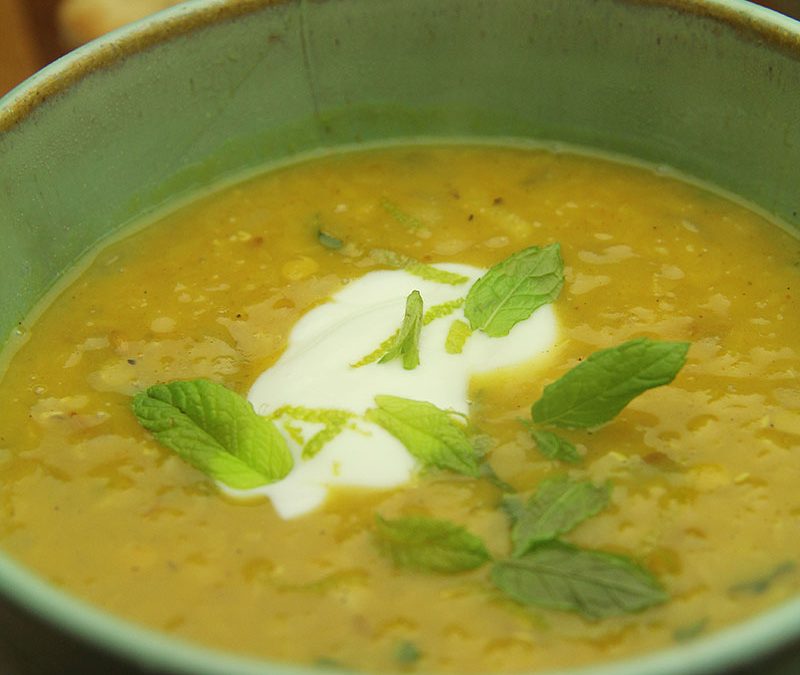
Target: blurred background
point(35, 32)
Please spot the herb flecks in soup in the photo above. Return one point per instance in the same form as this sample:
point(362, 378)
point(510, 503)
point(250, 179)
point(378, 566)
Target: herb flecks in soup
point(688, 494)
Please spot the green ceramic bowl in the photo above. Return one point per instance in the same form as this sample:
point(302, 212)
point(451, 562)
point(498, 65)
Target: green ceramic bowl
point(213, 88)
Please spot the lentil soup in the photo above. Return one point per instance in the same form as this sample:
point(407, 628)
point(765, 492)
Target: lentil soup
point(703, 473)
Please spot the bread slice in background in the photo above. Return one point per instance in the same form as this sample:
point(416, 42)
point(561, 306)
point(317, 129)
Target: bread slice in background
point(80, 21)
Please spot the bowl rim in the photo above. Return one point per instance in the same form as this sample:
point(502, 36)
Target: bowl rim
point(752, 21)
point(726, 648)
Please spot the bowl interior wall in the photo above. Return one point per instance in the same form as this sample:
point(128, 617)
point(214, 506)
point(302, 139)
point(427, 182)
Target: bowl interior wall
point(153, 113)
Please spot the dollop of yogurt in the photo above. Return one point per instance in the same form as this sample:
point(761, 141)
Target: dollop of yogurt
point(317, 371)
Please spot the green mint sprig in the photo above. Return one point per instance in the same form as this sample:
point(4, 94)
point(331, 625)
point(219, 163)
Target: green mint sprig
point(216, 431)
point(762, 584)
point(598, 388)
point(543, 570)
point(514, 289)
point(430, 434)
point(407, 653)
point(558, 505)
point(508, 293)
point(595, 584)
point(553, 446)
point(431, 314)
point(405, 345)
point(430, 545)
point(329, 241)
point(323, 237)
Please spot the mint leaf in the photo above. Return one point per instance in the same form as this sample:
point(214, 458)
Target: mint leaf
point(329, 241)
point(406, 343)
point(430, 545)
point(592, 583)
point(417, 268)
point(407, 653)
point(554, 446)
point(690, 631)
point(431, 314)
point(514, 289)
point(513, 505)
point(595, 390)
point(429, 433)
point(216, 431)
point(763, 584)
point(557, 506)
point(457, 337)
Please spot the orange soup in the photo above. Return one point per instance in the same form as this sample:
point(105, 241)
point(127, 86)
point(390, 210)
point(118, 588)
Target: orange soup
point(690, 490)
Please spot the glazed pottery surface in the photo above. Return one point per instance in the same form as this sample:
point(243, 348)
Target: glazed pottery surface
point(212, 89)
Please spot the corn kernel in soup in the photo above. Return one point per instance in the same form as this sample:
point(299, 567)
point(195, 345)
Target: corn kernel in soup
point(693, 484)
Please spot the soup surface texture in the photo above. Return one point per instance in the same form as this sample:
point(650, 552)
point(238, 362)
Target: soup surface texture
point(702, 473)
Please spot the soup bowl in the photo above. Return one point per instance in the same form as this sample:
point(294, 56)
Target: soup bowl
point(213, 89)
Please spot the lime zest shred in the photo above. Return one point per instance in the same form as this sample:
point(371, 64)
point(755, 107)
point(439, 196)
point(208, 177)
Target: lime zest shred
point(431, 314)
point(457, 336)
point(441, 310)
point(405, 219)
point(390, 258)
point(334, 421)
